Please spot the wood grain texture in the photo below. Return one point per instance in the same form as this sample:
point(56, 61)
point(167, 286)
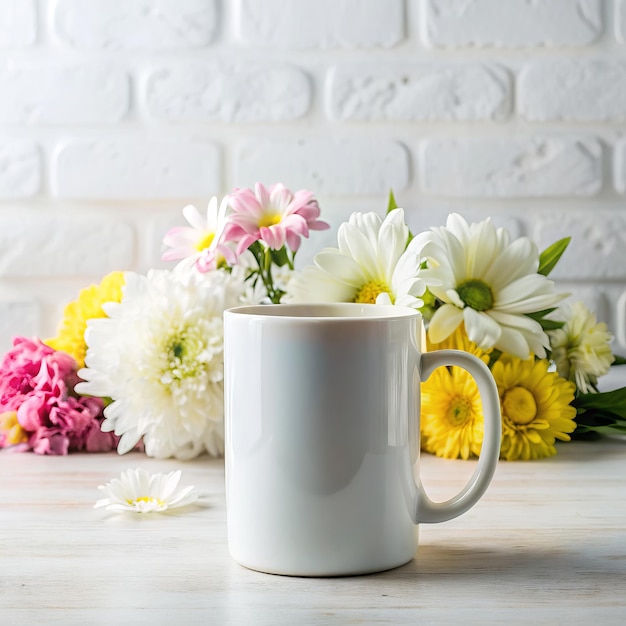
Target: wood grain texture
point(546, 544)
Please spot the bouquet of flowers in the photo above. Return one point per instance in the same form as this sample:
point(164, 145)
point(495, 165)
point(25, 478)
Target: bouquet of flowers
point(142, 355)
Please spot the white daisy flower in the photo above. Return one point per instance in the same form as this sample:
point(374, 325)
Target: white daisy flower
point(371, 265)
point(139, 491)
point(159, 356)
point(581, 348)
point(488, 282)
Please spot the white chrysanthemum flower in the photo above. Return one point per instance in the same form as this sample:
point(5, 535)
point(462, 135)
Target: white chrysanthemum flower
point(372, 264)
point(159, 356)
point(139, 491)
point(489, 282)
point(581, 348)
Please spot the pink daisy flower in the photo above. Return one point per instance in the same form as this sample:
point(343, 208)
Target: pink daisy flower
point(274, 216)
point(201, 242)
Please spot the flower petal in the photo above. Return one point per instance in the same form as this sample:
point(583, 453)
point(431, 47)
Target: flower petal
point(444, 322)
point(512, 341)
point(481, 329)
point(344, 268)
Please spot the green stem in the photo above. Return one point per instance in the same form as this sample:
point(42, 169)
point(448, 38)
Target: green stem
point(264, 260)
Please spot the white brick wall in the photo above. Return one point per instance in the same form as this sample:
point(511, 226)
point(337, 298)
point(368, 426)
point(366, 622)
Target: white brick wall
point(115, 114)
point(330, 166)
point(63, 246)
point(319, 24)
point(573, 90)
point(511, 168)
point(135, 168)
point(62, 94)
point(512, 23)
point(227, 92)
point(20, 168)
point(410, 92)
point(135, 24)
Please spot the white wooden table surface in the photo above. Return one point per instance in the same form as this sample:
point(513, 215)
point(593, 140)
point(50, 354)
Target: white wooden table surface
point(546, 545)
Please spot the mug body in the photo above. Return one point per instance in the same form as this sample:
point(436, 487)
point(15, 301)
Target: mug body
point(322, 406)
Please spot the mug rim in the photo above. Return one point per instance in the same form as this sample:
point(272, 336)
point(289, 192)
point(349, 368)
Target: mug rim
point(351, 311)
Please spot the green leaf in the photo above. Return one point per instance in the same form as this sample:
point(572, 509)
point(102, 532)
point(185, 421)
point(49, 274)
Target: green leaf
point(585, 434)
point(391, 203)
point(619, 360)
point(592, 423)
point(551, 255)
point(280, 257)
point(538, 316)
point(551, 324)
point(605, 403)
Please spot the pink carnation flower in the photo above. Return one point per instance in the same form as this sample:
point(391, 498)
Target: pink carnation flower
point(274, 216)
point(37, 383)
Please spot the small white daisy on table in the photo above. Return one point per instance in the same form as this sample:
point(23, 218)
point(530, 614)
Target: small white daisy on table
point(139, 491)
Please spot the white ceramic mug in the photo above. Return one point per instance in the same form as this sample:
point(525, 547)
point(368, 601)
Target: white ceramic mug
point(322, 437)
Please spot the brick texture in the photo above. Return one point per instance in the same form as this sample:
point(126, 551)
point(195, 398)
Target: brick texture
point(320, 23)
point(135, 169)
point(136, 24)
point(578, 90)
point(619, 173)
point(70, 246)
point(228, 93)
point(600, 235)
point(328, 166)
point(63, 94)
point(510, 168)
point(512, 24)
point(467, 92)
point(20, 169)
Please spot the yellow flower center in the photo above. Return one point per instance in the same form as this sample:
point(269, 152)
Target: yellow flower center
point(269, 219)
point(519, 405)
point(459, 411)
point(205, 241)
point(12, 429)
point(370, 291)
point(476, 294)
point(147, 500)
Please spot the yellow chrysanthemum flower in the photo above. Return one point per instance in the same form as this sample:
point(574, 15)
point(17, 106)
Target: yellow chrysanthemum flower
point(70, 337)
point(536, 408)
point(451, 413)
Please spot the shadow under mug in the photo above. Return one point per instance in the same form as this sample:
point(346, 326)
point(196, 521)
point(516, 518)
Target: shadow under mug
point(322, 437)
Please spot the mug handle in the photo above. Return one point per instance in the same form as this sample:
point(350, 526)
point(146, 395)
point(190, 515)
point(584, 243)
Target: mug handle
point(427, 511)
